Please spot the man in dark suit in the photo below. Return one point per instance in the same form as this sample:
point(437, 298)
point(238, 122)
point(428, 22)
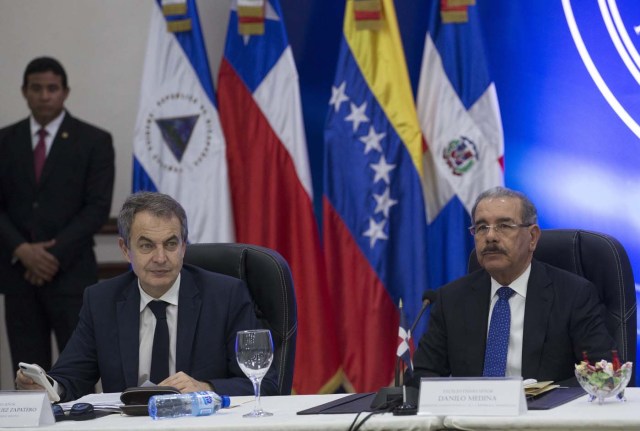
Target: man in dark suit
point(115, 338)
point(554, 315)
point(56, 182)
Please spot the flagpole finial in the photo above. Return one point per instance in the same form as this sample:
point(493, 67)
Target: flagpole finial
point(455, 11)
point(174, 7)
point(251, 15)
point(368, 14)
point(400, 304)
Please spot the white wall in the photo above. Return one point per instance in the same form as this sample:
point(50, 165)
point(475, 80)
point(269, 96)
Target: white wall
point(101, 44)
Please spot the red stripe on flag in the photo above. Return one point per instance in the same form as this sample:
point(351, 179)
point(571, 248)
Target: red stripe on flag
point(250, 19)
point(272, 209)
point(369, 318)
point(365, 15)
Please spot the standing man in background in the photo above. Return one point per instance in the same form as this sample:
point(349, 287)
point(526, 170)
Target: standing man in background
point(56, 183)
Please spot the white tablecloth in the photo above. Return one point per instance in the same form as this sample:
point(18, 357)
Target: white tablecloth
point(284, 417)
point(576, 415)
point(579, 415)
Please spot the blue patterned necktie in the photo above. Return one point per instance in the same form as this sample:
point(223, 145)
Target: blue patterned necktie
point(495, 357)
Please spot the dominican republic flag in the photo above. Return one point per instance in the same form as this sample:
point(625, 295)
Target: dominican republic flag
point(374, 212)
point(405, 350)
point(460, 118)
point(260, 111)
point(178, 144)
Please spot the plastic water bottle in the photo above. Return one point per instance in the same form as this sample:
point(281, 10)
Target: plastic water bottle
point(202, 403)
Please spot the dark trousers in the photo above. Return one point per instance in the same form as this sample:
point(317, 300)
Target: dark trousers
point(30, 317)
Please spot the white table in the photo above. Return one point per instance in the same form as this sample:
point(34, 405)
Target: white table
point(576, 415)
point(284, 417)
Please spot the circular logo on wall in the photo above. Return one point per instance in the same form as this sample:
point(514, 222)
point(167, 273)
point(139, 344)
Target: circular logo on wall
point(607, 37)
point(178, 132)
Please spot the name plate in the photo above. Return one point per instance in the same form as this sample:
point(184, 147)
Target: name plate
point(500, 396)
point(25, 409)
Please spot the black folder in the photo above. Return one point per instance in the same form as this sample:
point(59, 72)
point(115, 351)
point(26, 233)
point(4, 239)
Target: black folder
point(555, 397)
point(354, 403)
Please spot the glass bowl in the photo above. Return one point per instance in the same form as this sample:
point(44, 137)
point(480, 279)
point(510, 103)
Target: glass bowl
point(600, 381)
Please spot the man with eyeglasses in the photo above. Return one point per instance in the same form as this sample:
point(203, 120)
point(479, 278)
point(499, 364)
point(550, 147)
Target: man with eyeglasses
point(516, 316)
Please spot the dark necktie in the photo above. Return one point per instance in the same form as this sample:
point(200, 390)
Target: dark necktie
point(160, 351)
point(495, 356)
point(40, 153)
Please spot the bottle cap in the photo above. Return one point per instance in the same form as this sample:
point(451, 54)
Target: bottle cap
point(226, 401)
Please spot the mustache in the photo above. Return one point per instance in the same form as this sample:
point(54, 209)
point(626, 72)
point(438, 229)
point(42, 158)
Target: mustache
point(493, 249)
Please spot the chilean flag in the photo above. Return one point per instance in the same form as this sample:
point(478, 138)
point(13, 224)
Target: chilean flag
point(459, 115)
point(178, 145)
point(261, 115)
point(374, 212)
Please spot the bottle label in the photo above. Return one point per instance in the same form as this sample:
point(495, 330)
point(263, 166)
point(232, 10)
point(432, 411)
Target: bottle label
point(205, 404)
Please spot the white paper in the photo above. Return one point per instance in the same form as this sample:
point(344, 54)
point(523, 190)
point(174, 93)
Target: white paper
point(472, 396)
point(103, 401)
point(25, 408)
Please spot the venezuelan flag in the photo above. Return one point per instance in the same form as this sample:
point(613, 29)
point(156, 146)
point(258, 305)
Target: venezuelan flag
point(373, 207)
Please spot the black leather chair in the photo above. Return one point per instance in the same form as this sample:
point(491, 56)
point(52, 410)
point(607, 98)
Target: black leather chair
point(602, 260)
point(269, 279)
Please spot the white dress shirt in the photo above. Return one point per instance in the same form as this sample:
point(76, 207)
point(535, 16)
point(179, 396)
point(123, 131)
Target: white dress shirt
point(51, 128)
point(516, 304)
point(148, 327)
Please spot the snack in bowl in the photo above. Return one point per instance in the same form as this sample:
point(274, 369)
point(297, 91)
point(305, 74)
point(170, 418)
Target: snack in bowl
point(604, 379)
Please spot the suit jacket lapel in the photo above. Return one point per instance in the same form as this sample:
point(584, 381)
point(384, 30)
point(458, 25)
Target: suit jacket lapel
point(24, 147)
point(189, 304)
point(536, 318)
point(128, 314)
point(476, 315)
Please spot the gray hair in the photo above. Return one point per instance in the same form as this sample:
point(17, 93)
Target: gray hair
point(158, 204)
point(529, 212)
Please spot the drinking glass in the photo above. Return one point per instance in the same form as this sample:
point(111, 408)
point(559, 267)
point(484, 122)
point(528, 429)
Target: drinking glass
point(254, 352)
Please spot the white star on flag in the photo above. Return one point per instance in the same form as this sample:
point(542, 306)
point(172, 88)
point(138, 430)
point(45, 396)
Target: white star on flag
point(338, 96)
point(357, 115)
point(384, 202)
point(375, 231)
point(382, 169)
point(372, 140)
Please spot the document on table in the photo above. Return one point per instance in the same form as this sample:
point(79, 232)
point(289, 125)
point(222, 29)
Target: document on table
point(109, 401)
point(535, 388)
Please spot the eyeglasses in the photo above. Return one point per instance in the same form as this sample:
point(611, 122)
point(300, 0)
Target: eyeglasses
point(78, 412)
point(498, 228)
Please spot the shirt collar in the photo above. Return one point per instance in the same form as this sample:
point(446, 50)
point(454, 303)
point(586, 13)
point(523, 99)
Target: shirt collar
point(519, 285)
point(170, 296)
point(51, 128)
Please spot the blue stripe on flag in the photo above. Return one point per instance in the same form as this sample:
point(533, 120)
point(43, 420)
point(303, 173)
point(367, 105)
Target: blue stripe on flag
point(463, 56)
point(192, 43)
point(451, 242)
point(141, 180)
point(399, 261)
